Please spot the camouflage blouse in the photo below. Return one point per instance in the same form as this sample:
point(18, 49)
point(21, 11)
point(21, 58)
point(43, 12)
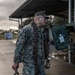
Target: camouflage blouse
point(24, 45)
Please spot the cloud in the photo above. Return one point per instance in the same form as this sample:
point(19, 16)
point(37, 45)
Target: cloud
point(7, 7)
point(8, 24)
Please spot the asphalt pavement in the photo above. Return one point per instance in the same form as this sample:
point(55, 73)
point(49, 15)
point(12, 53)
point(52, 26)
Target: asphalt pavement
point(7, 48)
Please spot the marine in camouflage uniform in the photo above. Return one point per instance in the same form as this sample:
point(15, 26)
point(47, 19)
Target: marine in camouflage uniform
point(24, 50)
point(30, 47)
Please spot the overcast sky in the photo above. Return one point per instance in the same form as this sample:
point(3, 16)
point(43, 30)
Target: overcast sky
point(7, 7)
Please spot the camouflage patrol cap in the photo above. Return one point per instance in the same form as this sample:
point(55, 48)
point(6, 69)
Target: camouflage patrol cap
point(41, 13)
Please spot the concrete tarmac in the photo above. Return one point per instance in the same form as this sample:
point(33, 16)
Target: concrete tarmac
point(7, 48)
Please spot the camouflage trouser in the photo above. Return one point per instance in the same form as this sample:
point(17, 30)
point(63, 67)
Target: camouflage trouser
point(29, 68)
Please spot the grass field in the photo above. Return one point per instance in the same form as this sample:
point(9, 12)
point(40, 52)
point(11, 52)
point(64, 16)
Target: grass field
point(1, 36)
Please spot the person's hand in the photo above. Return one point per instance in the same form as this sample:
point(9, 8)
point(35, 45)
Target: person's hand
point(15, 66)
point(48, 63)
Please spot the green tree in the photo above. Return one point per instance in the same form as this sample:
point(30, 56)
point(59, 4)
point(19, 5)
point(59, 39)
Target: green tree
point(59, 21)
point(51, 22)
point(27, 21)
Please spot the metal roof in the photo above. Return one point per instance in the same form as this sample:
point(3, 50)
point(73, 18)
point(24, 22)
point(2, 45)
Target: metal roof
point(52, 7)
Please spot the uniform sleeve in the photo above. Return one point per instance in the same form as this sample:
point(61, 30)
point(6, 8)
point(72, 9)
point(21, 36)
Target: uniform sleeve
point(22, 38)
point(46, 40)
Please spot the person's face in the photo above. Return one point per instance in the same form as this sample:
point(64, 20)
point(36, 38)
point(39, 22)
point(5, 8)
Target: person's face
point(42, 20)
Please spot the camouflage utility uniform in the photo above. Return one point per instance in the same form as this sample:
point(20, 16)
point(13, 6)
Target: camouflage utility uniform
point(24, 50)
